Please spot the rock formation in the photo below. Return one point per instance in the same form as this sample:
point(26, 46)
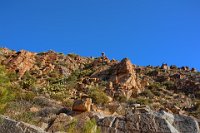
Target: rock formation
point(8, 125)
point(147, 121)
point(123, 77)
point(21, 62)
point(55, 92)
point(82, 105)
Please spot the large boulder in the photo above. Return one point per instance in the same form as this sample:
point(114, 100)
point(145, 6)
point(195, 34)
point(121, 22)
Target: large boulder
point(82, 105)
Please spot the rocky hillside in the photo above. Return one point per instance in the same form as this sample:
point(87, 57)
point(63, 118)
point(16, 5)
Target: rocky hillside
point(70, 93)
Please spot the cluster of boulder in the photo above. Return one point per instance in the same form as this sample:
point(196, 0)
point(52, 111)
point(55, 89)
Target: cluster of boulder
point(142, 119)
point(121, 79)
point(136, 120)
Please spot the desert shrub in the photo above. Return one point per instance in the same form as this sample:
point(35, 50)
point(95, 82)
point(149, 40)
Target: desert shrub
point(98, 96)
point(121, 99)
point(6, 96)
point(155, 85)
point(104, 83)
point(72, 127)
point(157, 93)
point(153, 72)
point(139, 100)
point(91, 127)
point(68, 102)
point(54, 74)
point(131, 101)
point(72, 55)
point(74, 76)
point(86, 72)
point(12, 76)
point(28, 81)
point(27, 117)
point(143, 101)
point(147, 93)
point(41, 53)
point(60, 95)
point(6, 92)
point(197, 94)
point(169, 84)
point(25, 95)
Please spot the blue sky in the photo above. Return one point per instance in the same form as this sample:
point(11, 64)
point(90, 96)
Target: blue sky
point(146, 31)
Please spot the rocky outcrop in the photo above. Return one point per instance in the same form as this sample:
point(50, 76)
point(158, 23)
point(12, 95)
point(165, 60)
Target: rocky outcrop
point(61, 123)
point(124, 74)
point(142, 119)
point(123, 77)
point(21, 62)
point(82, 105)
point(8, 125)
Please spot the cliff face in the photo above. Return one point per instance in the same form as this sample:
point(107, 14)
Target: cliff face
point(37, 87)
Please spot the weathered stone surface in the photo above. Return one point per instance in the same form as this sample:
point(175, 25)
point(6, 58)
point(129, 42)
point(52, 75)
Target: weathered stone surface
point(21, 62)
point(122, 75)
point(61, 123)
point(148, 122)
point(8, 125)
point(82, 105)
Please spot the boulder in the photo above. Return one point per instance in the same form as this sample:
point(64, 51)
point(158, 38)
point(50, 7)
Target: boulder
point(82, 105)
point(165, 67)
point(61, 123)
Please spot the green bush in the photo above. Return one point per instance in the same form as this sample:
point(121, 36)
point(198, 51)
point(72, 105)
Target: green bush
point(121, 99)
point(27, 81)
point(91, 127)
point(72, 127)
point(147, 93)
point(25, 95)
point(155, 85)
point(131, 101)
point(72, 55)
point(143, 101)
point(6, 92)
point(169, 84)
point(27, 117)
point(86, 72)
point(139, 100)
point(98, 96)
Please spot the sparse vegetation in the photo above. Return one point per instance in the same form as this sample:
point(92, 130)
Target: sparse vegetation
point(147, 93)
point(27, 117)
point(91, 127)
point(6, 92)
point(98, 96)
point(56, 81)
point(28, 81)
point(139, 100)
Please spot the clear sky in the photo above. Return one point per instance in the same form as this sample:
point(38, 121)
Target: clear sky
point(146, 31)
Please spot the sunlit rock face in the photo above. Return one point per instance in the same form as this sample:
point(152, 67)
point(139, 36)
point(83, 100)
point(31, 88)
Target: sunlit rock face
point(145, 120)
point(123, 77)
